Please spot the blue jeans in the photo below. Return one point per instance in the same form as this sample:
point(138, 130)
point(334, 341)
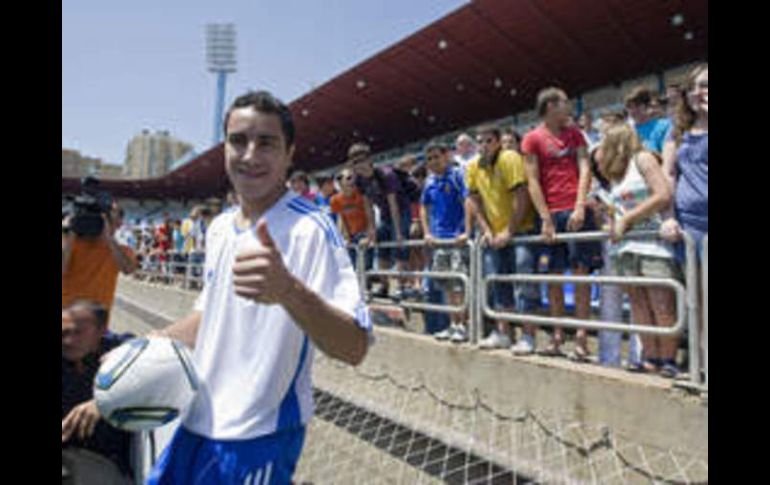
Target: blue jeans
point(369, 256)
point(519, 259)
point(386, 233)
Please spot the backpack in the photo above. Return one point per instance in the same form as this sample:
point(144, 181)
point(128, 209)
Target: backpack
point(409, 185)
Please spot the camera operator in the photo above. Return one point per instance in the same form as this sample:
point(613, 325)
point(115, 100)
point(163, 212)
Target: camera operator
point(90, 262)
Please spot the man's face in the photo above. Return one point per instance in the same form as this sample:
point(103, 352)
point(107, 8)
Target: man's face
point(561, 110)
point(464, 146)
point(80, 334)
point(437, 160)
point(327, 188)
point(508, 142)
point(489, 146)
point(298, 185)
point(637, 112)
point(363, 166)
point(256, 155)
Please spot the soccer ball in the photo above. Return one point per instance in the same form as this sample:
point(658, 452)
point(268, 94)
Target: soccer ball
point(145, 383)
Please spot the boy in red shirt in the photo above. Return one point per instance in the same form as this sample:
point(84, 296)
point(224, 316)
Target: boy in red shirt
point(559, 176)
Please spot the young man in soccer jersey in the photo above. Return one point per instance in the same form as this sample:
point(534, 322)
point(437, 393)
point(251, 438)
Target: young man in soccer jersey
point(559, 177)
point(499, 201)
point(442, 216)
point(277, 284)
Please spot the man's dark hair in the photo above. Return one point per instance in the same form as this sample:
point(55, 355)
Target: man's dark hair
point(546, 96)
point(489, 130)
point(436, 145)
point(300, 174)
point(322, 179)
point(264, 102)
point(515, 134)
point(420, 172)
point(640, 95)
point(358, 150)
point(99, 311)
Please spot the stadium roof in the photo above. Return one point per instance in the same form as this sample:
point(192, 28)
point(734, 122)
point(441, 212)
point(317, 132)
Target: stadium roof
point(199, 179)
point(461, 70)
point(486, 60)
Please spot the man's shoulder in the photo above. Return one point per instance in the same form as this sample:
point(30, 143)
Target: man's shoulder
point(310, 220)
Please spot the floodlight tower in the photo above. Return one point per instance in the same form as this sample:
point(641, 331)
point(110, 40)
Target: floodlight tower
point(220, 54)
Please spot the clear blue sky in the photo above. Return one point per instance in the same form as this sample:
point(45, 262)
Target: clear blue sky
point(141, 64)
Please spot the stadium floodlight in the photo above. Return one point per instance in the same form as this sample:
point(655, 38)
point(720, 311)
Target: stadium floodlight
point(220, 56)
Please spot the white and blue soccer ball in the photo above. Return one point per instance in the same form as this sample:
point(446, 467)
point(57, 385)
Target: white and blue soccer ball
point(145, 383)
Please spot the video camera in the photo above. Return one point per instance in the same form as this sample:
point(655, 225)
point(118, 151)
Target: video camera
point(87, 209)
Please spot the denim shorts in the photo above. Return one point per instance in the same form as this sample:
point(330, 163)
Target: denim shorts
point(520, 259)
point(386, 233)
point(453, 260)
point(564, 256)
point(634, 264)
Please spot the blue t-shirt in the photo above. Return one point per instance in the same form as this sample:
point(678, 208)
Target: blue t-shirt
point(692, 186)
point(444, 196)
point(326, 206)
point(654, 133)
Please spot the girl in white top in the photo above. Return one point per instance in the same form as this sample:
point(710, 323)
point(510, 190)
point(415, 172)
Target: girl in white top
point(639, 192)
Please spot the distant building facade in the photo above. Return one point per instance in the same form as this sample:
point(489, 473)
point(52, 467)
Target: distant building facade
point(75, 165)
point(153, 154)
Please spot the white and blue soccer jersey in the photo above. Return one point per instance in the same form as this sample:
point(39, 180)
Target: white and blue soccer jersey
point(253, 359)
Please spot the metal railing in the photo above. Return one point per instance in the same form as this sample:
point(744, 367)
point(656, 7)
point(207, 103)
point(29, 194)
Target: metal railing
point(705, 300)
point(475, 285)
point(469, 290)
point(179, 268)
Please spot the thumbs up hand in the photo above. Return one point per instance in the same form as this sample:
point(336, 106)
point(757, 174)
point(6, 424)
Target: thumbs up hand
point(259, 272)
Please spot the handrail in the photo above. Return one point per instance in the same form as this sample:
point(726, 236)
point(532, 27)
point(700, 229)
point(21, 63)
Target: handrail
point(705, 293)
point(469, 291)
point(680, 291)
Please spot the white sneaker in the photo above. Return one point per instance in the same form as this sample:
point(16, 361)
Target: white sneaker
point(445, 334)
point(460, 334)
point(523, 347)
point(495, 340)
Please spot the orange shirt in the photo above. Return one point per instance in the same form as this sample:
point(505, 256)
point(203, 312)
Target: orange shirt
point(352, 211)
point(92, 273)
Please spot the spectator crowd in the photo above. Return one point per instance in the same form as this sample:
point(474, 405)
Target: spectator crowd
point(644, 167)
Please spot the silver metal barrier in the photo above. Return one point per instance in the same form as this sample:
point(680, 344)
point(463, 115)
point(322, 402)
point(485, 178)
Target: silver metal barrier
point(686, 296)
point(705, 300)
point(691, 281)
point(469, 293)
point(679, 290)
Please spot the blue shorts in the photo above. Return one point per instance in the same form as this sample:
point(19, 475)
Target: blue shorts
point(194, 459)
point(564, 256)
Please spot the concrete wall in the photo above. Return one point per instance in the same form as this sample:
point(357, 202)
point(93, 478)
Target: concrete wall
point(644, 409)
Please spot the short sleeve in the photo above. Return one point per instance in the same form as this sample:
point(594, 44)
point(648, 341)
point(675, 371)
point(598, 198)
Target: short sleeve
point(514, 171)
point(330, 275)
point(579, 139)
point(392, 184)
point(529, 145)
point(334, 204)
point(426, 197)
